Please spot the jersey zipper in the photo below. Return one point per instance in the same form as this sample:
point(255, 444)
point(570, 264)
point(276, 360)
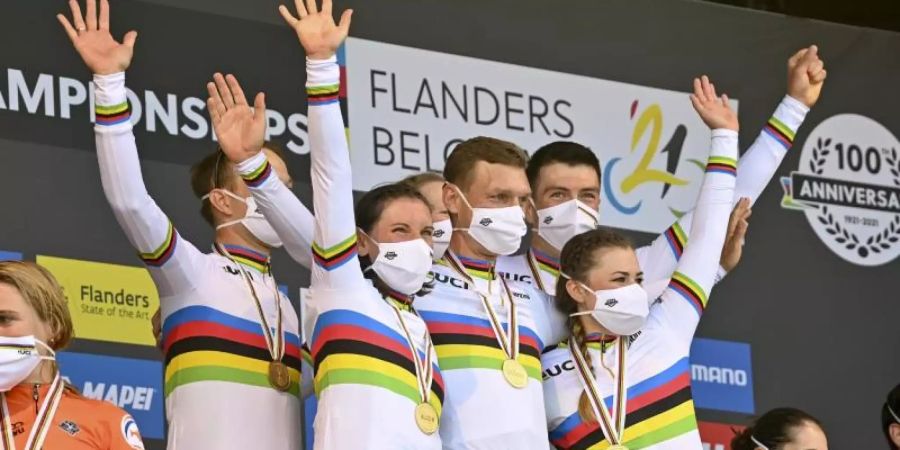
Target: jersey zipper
point(35, 394)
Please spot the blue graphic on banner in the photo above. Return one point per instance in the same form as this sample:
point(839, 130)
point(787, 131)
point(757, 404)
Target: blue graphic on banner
point(10, 256)
point(134, 385)
point(722, 375)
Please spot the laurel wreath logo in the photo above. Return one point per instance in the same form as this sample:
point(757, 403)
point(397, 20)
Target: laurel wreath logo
point(882, 240)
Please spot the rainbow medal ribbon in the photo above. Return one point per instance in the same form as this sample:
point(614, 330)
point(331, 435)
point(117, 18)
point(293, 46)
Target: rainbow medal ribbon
point(613, 427)
point(279, 376)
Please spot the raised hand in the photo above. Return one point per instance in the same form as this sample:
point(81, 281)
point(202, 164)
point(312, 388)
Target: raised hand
point(239, 128)
point(734, 240)
point(714, 110)
point(91, 38)
point(806, 75)
point(318, 33)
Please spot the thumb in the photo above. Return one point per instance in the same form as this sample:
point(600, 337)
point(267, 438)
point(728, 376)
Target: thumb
point(344, 23)
point(130, 38)
point(259, 108)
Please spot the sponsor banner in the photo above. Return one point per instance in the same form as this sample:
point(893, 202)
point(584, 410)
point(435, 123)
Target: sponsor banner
point(408, 108)
point(108, 302)
point(848, 186)
point(134, 385)
point(717, 436)
point(10, 256)
point(722, 375)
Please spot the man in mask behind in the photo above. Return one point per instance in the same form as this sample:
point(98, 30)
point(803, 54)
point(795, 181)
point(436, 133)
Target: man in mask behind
point(230, 339)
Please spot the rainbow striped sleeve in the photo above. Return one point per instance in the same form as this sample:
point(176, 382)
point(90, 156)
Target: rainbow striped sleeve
point(722, 164)
point(780, 132)
point(108, 115)
point(256, 170)
point(677, 239)
point(322, 94)
point(164, 252)
point(335, 256)
point(690, 291)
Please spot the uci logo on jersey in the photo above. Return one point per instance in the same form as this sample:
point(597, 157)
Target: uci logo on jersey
point(486, 222)
point(558, 369)
point(446, 279)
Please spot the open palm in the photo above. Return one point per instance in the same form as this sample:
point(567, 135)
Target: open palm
point(90, 35)
point(713, 109)
point(318, 33)
point(240, 129)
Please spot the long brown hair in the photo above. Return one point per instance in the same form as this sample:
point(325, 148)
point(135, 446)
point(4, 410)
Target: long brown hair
point(579, 256)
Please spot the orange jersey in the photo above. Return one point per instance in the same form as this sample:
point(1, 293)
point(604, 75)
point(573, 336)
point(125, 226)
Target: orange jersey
point(79, 423)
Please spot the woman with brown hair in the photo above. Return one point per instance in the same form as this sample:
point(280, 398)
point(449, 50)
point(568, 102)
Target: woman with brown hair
point(38, 409)
point(623, 377)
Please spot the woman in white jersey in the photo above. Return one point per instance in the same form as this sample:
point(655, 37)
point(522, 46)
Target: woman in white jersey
point(376, 373)
point(622, 380)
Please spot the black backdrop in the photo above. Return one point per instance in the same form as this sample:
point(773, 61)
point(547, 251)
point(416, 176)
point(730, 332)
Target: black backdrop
point(822, 329)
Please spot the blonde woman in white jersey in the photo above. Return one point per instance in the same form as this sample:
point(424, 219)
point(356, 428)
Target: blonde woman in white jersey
point(376, 373)
point(622, 380)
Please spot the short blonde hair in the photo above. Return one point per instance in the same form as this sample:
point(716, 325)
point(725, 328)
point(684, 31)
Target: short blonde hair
point(42, 292)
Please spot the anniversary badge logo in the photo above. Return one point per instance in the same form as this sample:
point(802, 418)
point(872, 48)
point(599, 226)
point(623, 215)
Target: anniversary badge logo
point(848, 185)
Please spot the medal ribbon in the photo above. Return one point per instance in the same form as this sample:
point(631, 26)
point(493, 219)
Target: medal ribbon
point(42, 423)
point(424, 369)
point(509, 343)
point(613, 428)
point(275, 346)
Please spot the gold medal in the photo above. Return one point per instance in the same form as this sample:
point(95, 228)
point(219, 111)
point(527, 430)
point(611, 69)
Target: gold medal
point(515, 373)
point(617, 447)
point(426, 418)
point(279, 377)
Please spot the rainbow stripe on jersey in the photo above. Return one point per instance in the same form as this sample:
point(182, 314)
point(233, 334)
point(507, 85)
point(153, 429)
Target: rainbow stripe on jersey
point(205, 344)
point(659, 408)
point(352, 348)
point(464, 342)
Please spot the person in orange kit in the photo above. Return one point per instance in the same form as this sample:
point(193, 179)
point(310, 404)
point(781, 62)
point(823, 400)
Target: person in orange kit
point(37, 408)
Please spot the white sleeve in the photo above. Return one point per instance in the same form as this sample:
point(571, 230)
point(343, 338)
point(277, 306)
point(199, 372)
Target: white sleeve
point(289, 217)
point(685, 298)
point(170, 259)
point(755, 170)
point(334, 248)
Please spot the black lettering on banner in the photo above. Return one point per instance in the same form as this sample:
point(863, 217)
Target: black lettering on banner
point(394, 95)
point(378, 132)
point(404, 149)
point(533, 114)
point(424, 89)
point(478, 118)
point(446, 93)
point(372, 86)
point(509, 109)
point(556, 109)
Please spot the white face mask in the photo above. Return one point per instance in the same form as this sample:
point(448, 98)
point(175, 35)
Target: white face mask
point(440, 238)
point(403, 266)
point(622, 311)
point(18, 358)
point(253, 221)
point(557, 224)
point(498, 230)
